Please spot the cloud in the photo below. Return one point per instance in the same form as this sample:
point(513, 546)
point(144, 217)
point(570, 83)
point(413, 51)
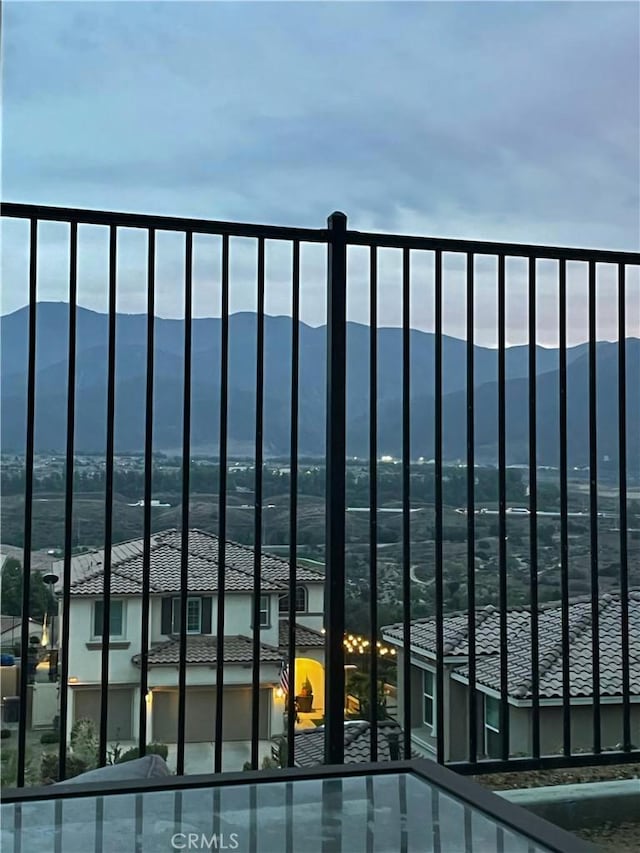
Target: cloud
point(515, 122)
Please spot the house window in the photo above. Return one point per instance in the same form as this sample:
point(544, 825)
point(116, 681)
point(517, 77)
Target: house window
point(492, 737)
point(116, 619)
point(301, 601)
point(265, 611)
point(194, 616)
point(428, 698)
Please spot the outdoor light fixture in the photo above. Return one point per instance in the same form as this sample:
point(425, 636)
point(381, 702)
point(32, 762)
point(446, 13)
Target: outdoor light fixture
point(279, 693)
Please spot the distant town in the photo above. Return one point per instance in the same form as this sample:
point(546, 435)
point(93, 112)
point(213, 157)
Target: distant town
point(166, 504)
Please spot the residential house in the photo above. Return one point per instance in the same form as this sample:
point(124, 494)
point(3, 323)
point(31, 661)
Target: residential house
point(309, 743)
point(124, 696)
point(424, 696)
point(11, 630)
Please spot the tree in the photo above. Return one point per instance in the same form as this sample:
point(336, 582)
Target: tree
point(41, 599)
point(359, 685)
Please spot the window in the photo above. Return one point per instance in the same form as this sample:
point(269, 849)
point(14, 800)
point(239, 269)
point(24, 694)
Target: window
point(116, 619)
point(492, 738)
point(428, 698)
point(265, 611)
point(194, 616)
point(301, 601)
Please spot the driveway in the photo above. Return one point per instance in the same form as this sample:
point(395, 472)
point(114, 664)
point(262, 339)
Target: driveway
point(199, 757)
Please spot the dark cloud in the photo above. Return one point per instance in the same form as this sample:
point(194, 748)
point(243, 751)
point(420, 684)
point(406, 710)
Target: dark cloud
point(515, 121)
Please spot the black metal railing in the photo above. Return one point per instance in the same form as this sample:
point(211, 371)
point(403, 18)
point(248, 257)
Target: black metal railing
point(340, 242)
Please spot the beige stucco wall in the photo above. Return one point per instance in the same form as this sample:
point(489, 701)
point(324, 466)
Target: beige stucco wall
point(314, 618)
point(85, 663)
point(238, 613)
point(582, 727)
point(234, 674)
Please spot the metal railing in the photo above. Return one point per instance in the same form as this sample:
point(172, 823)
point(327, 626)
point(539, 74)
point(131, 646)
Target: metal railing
point(339, 240)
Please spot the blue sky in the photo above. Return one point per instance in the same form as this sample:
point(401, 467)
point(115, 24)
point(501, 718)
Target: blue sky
point(506, 121)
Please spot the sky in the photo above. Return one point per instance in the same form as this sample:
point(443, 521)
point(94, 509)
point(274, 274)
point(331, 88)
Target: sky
point(507, 121)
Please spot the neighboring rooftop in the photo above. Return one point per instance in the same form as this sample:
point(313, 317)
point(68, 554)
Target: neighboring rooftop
point(87, 570)
point(309, 743)
point(304, 637)
point(10, 623)
point(423, 638)
point(203, 649)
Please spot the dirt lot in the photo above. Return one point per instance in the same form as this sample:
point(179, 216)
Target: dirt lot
point(621, 838)
point(570, 776)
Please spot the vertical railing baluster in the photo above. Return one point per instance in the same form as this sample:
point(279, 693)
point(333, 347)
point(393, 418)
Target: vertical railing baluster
point(99, 826)
point(622, 476)
point(28, 503)
point(293, 500)
point(139, 823)
point(58, 824)
point(371, 813)
point(502, 509)
point(593, 506)
point(533, 513)
point(65, 619)
point(406, 499)
point(186, 470)
point(335, 486)
point(108, 507)
point(373, 497)
point(148, 474)
point(289, 818)
point(472, 709)
point(257, 530)
point(222, 502)
point(564, 523)
point(439, 556)
point(402, 796)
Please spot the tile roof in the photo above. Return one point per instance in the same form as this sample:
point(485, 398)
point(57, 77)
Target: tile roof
point(309, 743)
point(202, 649)
point(519, 675)
point(305, 637)
point(166, 551)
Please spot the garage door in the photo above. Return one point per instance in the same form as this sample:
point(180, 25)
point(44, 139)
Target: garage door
point(201, 715)
point(87, 706)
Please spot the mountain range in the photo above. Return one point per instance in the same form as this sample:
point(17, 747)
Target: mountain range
point(91, 385)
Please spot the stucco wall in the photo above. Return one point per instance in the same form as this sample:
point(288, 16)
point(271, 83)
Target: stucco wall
point(582, 727)
point(167, 676)
point(314, 617)
point(85, 662)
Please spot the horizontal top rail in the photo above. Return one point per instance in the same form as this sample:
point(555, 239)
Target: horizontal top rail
point(162, 223)
point(313, 235)
point(479, 247)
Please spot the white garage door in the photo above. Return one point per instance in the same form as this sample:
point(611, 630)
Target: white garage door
point(120, 704)
point(201, 715)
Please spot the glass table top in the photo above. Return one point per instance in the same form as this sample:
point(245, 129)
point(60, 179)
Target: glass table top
point(394, 812)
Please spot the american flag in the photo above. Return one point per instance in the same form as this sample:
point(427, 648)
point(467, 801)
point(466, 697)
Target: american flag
point(284, 676)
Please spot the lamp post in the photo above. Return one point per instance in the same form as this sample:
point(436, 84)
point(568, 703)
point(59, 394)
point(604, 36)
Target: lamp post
point(51, 580)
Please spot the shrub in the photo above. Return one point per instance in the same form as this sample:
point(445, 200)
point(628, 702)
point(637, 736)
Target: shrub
point(84, 741)
point(50, 737)
point(50, 768)
point(160, 749)
point(5, 733)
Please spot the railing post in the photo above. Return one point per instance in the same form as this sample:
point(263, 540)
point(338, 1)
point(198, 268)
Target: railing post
point(335, 487)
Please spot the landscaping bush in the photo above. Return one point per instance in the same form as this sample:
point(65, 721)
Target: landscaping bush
point(50, 737)
point(5, 733)
point(84, 741)
point(160, 749)
point(49, 767)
